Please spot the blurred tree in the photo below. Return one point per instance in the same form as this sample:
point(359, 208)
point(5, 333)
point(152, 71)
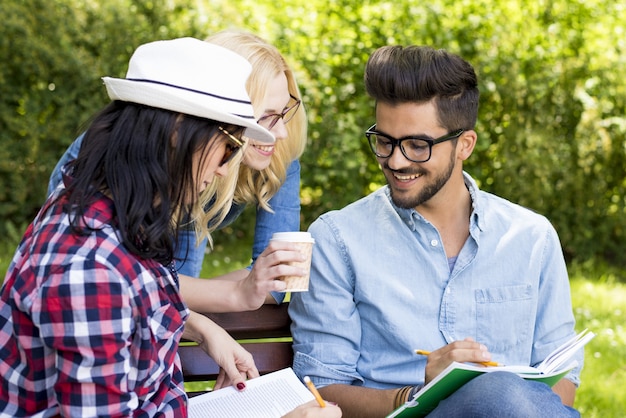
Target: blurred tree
point(552, 126)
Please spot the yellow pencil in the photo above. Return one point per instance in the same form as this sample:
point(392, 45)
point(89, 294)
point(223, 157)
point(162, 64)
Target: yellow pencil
point(484, 363)
point(314, 391)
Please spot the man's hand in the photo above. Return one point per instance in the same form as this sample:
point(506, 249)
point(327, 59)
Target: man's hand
point(463, 351)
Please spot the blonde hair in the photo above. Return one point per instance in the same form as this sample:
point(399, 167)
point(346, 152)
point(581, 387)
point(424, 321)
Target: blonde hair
point(259, 186)
point(216, 200)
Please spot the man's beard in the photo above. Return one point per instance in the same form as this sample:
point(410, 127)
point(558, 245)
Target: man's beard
point(428, 191)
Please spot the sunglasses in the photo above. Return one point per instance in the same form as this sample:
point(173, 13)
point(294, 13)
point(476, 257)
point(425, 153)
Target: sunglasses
point(233, 145)
point(268, 121)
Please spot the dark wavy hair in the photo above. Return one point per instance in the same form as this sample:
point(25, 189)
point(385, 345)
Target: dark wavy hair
point(141, 157)
point(396, 74)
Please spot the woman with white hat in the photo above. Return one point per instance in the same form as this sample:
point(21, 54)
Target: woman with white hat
point(269, 178)
point(90, 310)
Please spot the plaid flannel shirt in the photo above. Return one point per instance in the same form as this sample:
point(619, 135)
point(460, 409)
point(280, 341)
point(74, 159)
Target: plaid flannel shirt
point(87, 328)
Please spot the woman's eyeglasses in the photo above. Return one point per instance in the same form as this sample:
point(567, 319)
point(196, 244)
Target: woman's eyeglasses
point(268, 121)
point(233, 145)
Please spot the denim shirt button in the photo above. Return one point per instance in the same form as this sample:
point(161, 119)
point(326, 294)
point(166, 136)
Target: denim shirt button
point(434, 242)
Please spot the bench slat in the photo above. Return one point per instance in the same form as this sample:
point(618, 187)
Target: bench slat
point(268, 357)
point(268, 322)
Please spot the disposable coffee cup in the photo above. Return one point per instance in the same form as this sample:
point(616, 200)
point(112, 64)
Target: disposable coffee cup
point(304, 242)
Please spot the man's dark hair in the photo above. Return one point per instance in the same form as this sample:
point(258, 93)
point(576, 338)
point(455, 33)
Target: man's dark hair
point(142, 158)
point(396, 74)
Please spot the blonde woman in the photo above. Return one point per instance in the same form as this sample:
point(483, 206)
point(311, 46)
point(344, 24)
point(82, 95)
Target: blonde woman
point(269, 178)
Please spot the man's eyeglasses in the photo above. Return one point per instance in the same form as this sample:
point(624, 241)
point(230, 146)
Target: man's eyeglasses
point(414, 148)
point(233, 145)
point(268, 121)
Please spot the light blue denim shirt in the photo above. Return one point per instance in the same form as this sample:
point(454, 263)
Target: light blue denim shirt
point(285, 217)
point(381, 287)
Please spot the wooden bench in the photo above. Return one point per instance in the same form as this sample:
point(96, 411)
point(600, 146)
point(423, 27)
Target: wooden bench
point(264, 333)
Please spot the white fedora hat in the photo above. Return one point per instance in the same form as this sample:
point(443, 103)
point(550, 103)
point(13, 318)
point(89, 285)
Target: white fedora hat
point(190, 76)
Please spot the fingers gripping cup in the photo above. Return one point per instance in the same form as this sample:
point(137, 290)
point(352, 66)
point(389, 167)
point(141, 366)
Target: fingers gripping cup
point(305, 242)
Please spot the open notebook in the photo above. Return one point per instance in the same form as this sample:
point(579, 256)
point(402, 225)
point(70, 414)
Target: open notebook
point(554, 367)
point(268, 396)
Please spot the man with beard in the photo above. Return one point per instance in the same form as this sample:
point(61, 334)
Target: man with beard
point(431, 262)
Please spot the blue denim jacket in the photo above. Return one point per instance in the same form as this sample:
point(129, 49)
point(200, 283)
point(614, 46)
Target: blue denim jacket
point(286, 217)
point(381, 287)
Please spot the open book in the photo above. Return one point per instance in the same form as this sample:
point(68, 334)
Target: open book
point(549, 371)
point(268, 396)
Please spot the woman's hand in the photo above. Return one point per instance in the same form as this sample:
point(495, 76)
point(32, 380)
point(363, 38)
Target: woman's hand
point(244, 290)
point(313, 410)
point(270, 266)
point(236, 364)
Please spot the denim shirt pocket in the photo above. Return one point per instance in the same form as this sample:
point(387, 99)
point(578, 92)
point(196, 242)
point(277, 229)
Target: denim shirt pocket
point(504, 316)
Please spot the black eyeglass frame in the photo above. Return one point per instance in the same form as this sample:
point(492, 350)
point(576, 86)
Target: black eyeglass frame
point(398, 142)
point(233, 145)
point(278, 116)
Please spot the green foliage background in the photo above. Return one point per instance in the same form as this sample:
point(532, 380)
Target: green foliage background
point(552, 124)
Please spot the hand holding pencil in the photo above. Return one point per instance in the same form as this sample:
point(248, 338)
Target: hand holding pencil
point(317, 408)
point(463, 351)
point(313, 389)
point(312, 409)
point(484, 363)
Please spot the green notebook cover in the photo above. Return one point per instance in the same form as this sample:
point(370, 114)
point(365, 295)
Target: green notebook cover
point(455, 376)
point(550, 371)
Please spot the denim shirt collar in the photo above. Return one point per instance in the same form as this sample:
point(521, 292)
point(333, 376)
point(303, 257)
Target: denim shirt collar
point(477, 219)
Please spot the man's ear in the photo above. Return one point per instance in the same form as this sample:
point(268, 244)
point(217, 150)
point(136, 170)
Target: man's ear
point(465, 144)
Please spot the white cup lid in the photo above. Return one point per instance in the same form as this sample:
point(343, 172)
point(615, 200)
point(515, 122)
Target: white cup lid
point(298, 236)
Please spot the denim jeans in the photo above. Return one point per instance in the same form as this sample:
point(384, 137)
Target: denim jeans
point(502, 395)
